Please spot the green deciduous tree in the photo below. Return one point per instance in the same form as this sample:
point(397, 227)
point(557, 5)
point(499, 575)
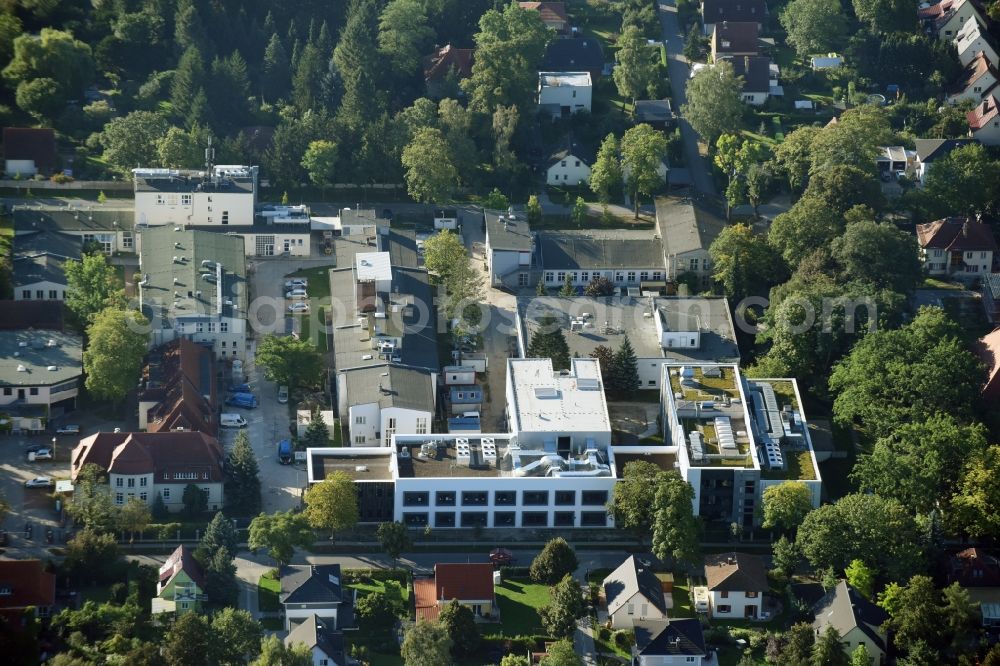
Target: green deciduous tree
point(636, 69)
point(786, 505)
point(505, 119)
point(633, 497)
point(966, 181)
point(189, 641)
point(91, 286)
point(509, 46)
point(580, 212)
point(675, 527)
point(565, 606)
point(237, 636)
point(561, 653)
point(394, 539)
point(643, 149)
point(178, 149)
point(556, 560)
point(842, 187)
point(113, 357)
point(133, 140)
point(41, 98)
point(289, 362)
point(377, 615)
point(320, 162)
point(861, 577)
point(431, 175)
point(814, 26)
point(332, 504)
point(274, 653)
point(606, 174)
point(885, 15)
point(242, 477)
point(53, 54)
point(880, 254)
point(496, 200)
point(920, 463)
point(91, 555)
point(714, 105)
point(457, 619)
point(974, 505)
point(792, 156)
point(133, 517)
point(807, 225)
point(549, 341)
point(853, 141)
point(279, 533)
point(879, 531)
point(744, 263)
point(907, 374)
point(860, 656)
point(534, 209)
point(785, 556)
point(426, 644)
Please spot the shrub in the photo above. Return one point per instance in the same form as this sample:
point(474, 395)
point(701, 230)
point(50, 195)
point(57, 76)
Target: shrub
point(624, 639)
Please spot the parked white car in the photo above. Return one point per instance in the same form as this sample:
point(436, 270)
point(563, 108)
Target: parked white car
point(283, 394)
point(296, 295)
point(298, 308)
point(40, 482)
point(68, 430)
point(41, 454)
point(296, 283)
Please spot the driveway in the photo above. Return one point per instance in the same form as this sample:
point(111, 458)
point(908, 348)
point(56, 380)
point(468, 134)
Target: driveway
point(679, 71)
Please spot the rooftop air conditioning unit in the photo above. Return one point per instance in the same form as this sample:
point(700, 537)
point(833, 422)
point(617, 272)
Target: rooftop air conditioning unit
point(52, 368)
point(21, 368)
point(50, 343)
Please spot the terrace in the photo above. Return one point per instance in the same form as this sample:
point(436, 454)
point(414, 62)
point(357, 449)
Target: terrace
point(697, 386)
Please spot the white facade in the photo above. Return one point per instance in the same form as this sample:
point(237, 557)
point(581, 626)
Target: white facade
point(669, 660)
point(974, 93)
point(988, 134)
point(569, 170)
point(964, 11)
point(267, 244)
point(446, 219)
point(620, 277)
point(459, 375)
point(735, 605)
point(971, 40)
point(636, 607)
point(753, 98)
point(164, 196)
point(320, 658)
point(971, 263)
point(295, 616)
point(372, 426)
point(40, 395)
point(40, 291)
point(564, 93)
point(20, 167)
point(145, 487)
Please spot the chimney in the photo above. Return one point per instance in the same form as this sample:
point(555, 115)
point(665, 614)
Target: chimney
point(746, 65)
point(965, 228)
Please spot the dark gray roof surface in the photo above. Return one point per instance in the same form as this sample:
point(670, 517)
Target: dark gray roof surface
point(515, 235)
point(38, 268)
point(311, 584)
point(686, 225)
point(929, 150)
point(570, 146)
point(63, 218)
point(669, 637)
point(756, 72)
point(599, 249)
point(317, 632)
point(39, 256)
point(634, 575)
point(844, 608)
point(571, 54)
point(391, 386)
point(653, 110)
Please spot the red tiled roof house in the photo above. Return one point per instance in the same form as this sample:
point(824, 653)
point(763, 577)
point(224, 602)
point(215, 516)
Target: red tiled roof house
point(25, 584)
point(150, 464)
point(957, 247)
point(29, 150)
point(553, 14)
point(470, 584)
point(984, 122)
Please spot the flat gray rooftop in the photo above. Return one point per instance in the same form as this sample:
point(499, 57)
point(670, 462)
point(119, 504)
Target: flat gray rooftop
point(360, 467)
point(39, 358)
point(605, 321)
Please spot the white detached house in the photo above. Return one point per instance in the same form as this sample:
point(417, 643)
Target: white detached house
point(736, 585)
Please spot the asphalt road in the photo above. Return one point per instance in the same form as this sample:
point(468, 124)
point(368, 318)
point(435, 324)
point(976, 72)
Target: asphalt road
point(677, 65)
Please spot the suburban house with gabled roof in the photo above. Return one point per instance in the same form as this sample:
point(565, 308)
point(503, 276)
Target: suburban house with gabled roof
point(380, 401)
point(469, 584)
point(634, 593)
point(974, 567)
point(735, 39)
point(178, 389)
point(552, 14)
point(324, 641)
point(180, 584)
point(309, 590)
point(25, 584)
point(444, 68)
point(984, 122)
point(717, 11)
point(736, 585)
point(958, 247)
point(927, 151)
point(974, 39)
point(978, 81)
point(669, 642)
point(987, 348)
point(150, 464)
point(28, 151)
point(756, 73)
point(857, 620)
point(574, 54)
point(945, 19)
point(569, 164)
point(688, 228)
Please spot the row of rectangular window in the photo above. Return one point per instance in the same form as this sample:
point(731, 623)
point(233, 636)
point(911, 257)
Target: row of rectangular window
point(505, 519)
point(586, 276)
point(506, 498)
point(7, 390)
point(54, 295)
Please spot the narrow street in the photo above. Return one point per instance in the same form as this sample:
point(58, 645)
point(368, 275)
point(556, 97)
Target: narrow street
point(677, 65)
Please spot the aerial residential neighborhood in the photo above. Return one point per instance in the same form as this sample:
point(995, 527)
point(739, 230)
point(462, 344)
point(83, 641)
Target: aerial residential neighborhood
point(577, 333)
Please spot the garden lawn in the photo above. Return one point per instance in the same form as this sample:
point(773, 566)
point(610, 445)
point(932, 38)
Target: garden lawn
point(399, 594)
point(319, 280)
point(682, 601)
point(519, 601)
point(268, 591)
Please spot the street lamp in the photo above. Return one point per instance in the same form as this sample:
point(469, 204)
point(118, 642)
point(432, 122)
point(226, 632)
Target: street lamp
point(54, 448)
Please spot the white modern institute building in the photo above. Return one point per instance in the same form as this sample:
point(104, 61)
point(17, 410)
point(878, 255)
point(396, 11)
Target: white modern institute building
point(554, 469)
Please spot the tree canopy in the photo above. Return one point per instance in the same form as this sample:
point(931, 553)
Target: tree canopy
point(288, 361)
point(332, 504)
point(113, 357)
point(713, 101)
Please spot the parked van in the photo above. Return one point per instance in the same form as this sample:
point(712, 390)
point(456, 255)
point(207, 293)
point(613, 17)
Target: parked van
point(244, 400)
point(285, 452)
point(232, 421)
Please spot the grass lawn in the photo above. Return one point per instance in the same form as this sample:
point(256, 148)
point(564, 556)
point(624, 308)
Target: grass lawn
point(396, 593)
point(319, 338)
point(934, 283)
point(608, 646)
point(682, 601)
point(319, 280)
point(519, 601)
point(268, 591)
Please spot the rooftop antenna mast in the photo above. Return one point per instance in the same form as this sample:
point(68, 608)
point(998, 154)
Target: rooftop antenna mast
point(209, 158)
